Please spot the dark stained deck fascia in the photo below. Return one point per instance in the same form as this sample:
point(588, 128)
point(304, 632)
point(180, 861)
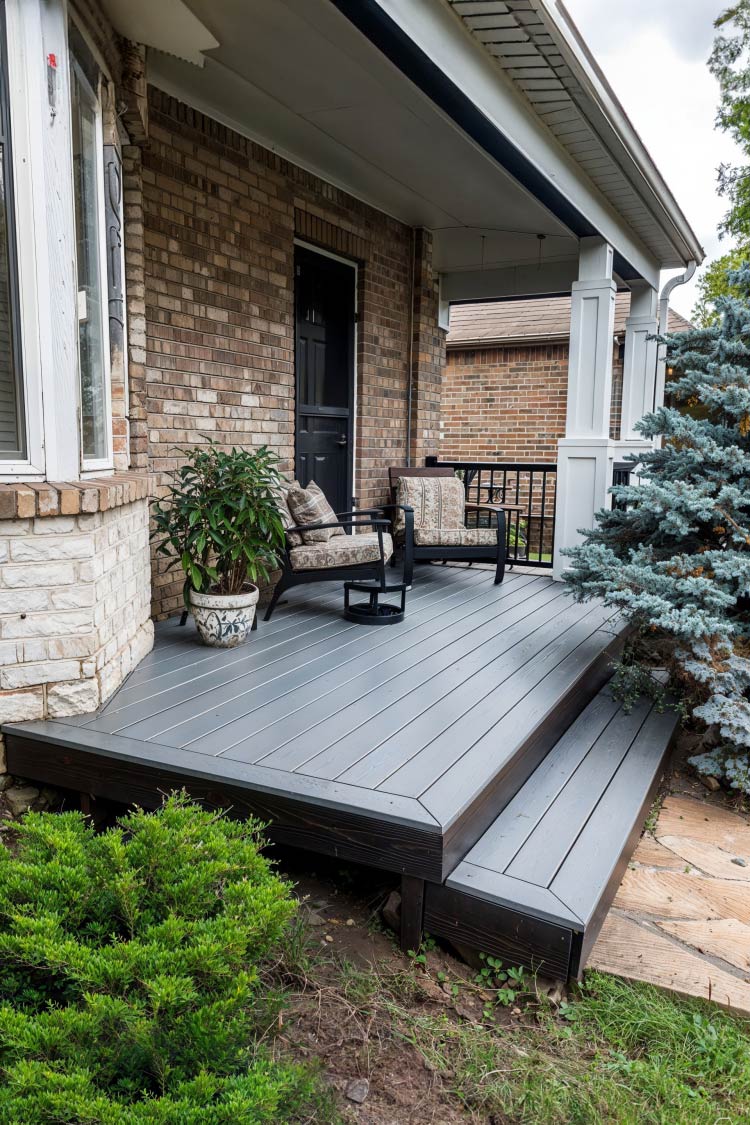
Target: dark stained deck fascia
point(394, 747)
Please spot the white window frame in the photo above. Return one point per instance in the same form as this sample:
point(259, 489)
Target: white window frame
point(22, 78)
point(94, 465)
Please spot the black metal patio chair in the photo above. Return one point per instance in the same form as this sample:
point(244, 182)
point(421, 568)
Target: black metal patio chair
point(429, 513)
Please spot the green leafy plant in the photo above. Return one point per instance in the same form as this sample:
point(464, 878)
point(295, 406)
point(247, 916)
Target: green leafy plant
point(505, 984)
point(220, 519)
point(130, 989)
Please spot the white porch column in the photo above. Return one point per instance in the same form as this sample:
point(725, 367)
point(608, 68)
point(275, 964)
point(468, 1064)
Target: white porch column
point(639, 367)
point(586, 454)
point(639, 372)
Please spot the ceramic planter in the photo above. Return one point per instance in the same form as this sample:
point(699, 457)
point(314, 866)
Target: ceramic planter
point(224, 620)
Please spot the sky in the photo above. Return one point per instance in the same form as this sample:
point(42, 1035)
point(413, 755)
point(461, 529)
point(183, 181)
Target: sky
point(654, 54)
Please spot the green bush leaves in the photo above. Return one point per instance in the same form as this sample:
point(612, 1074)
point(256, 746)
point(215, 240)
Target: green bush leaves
point(129, 991)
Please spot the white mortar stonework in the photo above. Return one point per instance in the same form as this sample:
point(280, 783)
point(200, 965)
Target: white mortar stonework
point(74, 609)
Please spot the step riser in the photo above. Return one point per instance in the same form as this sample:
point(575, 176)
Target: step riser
point(514, 937)
point(507, 783)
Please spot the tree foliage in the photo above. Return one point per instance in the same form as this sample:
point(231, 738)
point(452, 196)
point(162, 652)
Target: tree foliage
point(676, 560)
point(130, 988)
point(714, 283)
point(729, 63)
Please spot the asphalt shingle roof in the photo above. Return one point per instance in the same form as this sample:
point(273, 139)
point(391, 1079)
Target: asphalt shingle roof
point(531, 319)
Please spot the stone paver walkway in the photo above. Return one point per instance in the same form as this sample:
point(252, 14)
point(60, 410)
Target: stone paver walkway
point(681, 918)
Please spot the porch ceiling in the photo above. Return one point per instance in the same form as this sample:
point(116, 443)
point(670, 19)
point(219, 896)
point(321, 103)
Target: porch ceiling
point(298, 77)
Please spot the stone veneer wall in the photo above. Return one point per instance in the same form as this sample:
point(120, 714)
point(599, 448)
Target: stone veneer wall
point(74, 594)
point(508, 403)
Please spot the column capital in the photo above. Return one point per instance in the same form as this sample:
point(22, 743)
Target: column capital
point(595, 258)
point(644, 300)
point(583, 285)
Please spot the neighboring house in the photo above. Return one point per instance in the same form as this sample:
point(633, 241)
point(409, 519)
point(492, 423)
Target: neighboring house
point(505, 384)
point(202, 197)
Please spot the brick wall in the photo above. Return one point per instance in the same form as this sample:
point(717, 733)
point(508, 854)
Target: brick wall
point(220, 215)
point(509, 403)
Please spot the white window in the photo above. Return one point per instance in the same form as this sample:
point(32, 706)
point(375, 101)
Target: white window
point(12, 414)
point(88, 192)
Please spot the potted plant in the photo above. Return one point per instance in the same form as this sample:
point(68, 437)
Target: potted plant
point(220, 522)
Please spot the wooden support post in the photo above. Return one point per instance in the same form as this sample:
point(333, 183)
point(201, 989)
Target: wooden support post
point(412, 912)
point(87, 804)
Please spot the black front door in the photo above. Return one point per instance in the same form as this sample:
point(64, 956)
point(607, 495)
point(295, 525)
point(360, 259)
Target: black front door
point(324, 299)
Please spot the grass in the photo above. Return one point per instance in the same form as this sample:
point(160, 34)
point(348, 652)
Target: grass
point(620, 1053)
point(615, 1053)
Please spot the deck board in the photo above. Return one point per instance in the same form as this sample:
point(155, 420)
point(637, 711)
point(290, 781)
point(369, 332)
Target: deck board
point(417, 734)
point(187, 690)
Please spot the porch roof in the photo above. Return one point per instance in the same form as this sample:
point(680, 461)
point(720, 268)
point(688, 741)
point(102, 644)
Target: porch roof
point(412, 107)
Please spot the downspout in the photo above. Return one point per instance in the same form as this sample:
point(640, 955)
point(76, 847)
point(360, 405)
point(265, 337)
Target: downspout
point(661, 355)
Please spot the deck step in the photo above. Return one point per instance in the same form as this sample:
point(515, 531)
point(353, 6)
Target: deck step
point(535, 888)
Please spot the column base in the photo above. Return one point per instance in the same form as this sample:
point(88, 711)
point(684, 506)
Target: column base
point(584, 476)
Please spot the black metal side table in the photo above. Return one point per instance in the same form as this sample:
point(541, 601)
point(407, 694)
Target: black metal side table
point(373, 611)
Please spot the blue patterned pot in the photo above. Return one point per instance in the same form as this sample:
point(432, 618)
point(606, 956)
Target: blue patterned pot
point(224, 620)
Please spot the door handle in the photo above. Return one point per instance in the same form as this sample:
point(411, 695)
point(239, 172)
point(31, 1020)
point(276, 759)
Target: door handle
point(343, 441)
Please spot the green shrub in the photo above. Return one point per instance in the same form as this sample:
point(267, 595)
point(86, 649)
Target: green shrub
point(129, 989)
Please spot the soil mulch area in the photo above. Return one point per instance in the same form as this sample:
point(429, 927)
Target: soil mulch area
point(340, 1011)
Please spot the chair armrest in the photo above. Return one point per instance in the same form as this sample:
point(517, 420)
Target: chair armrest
point(489, 507)
point(493, 509)
point(392, 507)
point(360, 512)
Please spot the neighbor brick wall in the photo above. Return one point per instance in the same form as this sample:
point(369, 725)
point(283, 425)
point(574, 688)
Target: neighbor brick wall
point(220, 215)
point(509, 403)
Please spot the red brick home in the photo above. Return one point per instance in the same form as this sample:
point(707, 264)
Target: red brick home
point(505, 384)
point(191, 189)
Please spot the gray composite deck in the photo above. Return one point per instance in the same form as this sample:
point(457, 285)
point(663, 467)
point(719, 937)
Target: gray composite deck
point(539, 881)
point(394, 746)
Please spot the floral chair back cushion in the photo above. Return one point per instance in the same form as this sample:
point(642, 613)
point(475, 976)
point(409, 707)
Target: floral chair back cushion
point(438, 502)
point(309, 505)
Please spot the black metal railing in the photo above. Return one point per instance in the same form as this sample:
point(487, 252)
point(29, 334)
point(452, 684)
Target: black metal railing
point(621, 471)
point(528, 491)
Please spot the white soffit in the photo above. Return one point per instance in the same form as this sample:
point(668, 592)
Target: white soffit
point(518, 34)
point(168, 25)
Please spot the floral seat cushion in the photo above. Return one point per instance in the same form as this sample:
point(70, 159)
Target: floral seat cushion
point(342, 550)
point(455, 537)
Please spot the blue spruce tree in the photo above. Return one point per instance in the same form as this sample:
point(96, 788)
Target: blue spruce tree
point(676, 560)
